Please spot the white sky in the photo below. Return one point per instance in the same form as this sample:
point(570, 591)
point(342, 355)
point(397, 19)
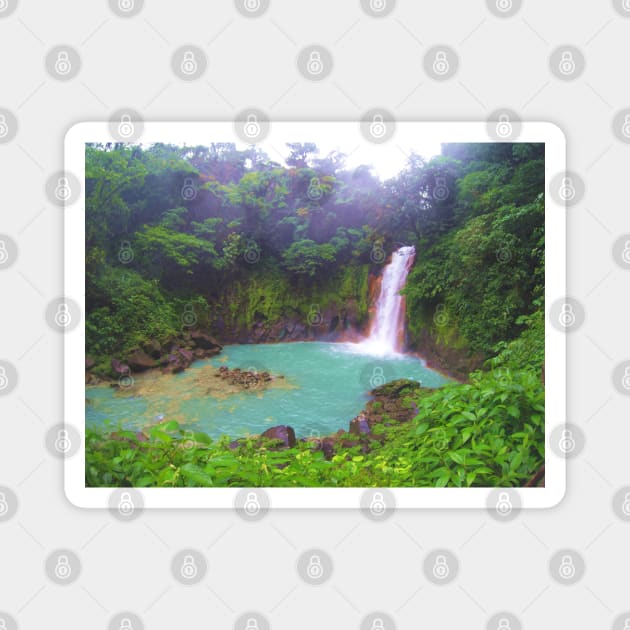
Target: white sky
point(386, 159)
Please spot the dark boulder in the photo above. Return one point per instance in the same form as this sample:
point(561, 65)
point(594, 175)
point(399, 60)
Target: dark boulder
point(281, 433)
point(359, 425)
point(140, 361)
point(153, 348)
point(119, 367)
point(205, 341)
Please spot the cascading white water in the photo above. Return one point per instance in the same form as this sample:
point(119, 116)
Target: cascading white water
point(388, 320)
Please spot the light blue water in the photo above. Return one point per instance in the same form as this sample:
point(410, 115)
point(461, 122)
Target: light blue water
point(325, 386)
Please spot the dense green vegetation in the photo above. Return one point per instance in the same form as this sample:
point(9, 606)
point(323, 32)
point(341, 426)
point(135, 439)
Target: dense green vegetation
point(239, 239)
point(213, 227)
point(485, 433)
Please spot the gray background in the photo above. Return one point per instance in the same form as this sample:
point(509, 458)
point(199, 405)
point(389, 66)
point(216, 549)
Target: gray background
point(504, 62)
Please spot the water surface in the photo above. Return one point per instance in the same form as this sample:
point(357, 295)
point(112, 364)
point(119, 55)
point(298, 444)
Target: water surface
point(325, 385)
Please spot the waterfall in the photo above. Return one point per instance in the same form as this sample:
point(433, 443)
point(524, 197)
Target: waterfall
point(387, 326)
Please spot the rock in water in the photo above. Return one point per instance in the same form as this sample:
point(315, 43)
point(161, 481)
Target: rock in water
point(359, 425)
point(206, 342)
point(282, 433)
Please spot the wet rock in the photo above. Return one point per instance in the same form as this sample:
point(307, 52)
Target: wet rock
point(328, 447)
point(140, 361)
point(359, 425)
point(153, 348)
point(314, 442)
point(206, 342)
point(119, 367)
point(186, 355)
point(282, 433)
point(247, 379)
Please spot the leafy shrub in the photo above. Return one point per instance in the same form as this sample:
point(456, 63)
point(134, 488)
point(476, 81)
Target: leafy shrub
point(486, 433)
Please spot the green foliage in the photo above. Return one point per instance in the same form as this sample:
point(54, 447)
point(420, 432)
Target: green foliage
point(487, 433)
point(486, 271)
point(127, 311)
point(246, 216)
point(307, 257)
point(476, 217)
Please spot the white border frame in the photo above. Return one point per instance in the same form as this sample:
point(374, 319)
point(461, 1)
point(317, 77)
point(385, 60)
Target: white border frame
point(195, 133)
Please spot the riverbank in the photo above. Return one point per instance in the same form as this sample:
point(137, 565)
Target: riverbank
point(406, 436)
point(316, 387)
